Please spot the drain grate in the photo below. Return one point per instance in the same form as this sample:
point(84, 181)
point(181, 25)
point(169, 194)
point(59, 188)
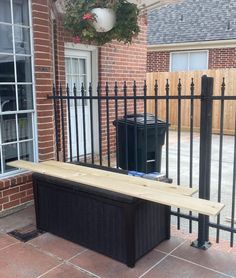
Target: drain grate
point(26, 233)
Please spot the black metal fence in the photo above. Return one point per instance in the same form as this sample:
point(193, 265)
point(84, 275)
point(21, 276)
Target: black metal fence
point(85, 133)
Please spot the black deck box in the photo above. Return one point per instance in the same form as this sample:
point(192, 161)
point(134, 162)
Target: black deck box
point(118, 226)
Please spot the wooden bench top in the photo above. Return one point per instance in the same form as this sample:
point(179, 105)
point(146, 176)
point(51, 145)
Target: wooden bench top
point(166, 187)
point(154, 191)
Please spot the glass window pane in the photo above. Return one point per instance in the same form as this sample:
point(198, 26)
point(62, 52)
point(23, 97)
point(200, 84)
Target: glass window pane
point(198, 61)
point(20, 12)
point(23, 67)
point(5, 11)
point(27, 151)
point(9, 154)
point(7, 98)
point(7, 68)
point(6, 44)
point(25, 97)
point(82, 66)
point(75, 66)
point(22, 40)
point(68, 67)
point(25, 126)
point(8, 128)
point(179, 62)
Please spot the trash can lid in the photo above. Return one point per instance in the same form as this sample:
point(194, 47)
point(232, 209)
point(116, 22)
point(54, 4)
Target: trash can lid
point(140, 120)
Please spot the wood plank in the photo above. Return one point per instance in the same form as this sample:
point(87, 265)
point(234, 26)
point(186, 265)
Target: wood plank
point(125, 178)
point(184, 202)
point(186, 78)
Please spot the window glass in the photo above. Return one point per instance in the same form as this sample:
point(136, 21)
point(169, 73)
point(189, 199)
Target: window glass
point(25, 97)
point(7, 68)
point(27, 151)
point(8, 126)
point(22, 40)
point(75, 66)
point(189, 61)
point(198, 61)
point(5, 11)
point(25, 126)
point(179, 62)
point(16, 88)
point(23, 67)
point(6, 44)
point(7, 98)
point(21, 12)
point(9, 153)
point(82, 66)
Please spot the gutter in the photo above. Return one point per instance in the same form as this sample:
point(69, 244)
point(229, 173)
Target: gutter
point(193, 45)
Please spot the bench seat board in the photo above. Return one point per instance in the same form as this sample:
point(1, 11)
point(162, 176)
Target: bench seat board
point(171, 188)
point(125, 187)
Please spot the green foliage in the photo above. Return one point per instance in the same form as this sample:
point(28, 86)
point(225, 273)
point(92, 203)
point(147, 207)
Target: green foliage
point(79, 21)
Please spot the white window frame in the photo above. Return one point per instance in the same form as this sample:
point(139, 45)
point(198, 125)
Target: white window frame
point(32, 112)
point(188, 52)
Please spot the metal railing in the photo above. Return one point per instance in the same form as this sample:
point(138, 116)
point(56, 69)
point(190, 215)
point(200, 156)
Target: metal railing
point(85, 132)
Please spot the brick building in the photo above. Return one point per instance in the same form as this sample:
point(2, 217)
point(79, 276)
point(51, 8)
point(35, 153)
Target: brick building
point(192, 35)
point(35, 52)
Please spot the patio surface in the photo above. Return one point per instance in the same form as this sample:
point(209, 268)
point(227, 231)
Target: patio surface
point(48, 256)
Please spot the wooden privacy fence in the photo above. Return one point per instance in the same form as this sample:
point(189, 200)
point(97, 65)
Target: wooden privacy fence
point(186, 80)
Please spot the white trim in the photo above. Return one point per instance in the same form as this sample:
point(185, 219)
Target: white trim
point(193, 45)
point(187, 52)
point(34, 114)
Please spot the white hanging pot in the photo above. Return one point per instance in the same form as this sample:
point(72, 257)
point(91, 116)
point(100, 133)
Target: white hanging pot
point(105, 19)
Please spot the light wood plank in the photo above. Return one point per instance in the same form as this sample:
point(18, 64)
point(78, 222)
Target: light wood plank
point(186, 78)
point(184, 202)
point(125, 178)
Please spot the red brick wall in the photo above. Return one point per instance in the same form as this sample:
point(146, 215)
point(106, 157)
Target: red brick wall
point(218, 58)
point(222, 58)
point(119, 62)
point(158, 61)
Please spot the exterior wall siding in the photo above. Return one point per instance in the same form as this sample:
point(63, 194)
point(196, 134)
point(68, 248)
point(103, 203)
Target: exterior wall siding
point(117, 62)
point(218, 58)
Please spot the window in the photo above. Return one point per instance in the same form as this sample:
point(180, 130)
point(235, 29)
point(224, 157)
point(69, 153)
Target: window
point(186, 61)
point(17, 115)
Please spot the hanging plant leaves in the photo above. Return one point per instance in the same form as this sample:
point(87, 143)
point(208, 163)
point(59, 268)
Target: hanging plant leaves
point(79, 21)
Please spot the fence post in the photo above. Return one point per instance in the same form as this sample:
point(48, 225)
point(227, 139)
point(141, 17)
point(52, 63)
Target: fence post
point(205, 159)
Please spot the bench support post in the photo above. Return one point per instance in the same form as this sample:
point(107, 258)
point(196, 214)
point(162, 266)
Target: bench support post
point(205, 159)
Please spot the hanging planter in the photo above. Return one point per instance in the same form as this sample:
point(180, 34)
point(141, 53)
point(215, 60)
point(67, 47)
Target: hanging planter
point(99, 22)
point(105, 19)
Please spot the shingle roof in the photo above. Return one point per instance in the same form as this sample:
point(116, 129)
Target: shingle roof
point(193, 21)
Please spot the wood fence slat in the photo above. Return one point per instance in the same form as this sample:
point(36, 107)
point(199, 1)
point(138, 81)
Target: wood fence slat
point(186, 78)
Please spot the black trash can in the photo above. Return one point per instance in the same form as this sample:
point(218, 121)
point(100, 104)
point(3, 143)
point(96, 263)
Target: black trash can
point(145, 163)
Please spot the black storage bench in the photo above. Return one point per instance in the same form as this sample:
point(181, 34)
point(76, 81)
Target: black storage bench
point(121, 227)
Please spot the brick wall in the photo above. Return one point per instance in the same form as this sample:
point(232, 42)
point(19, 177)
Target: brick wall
point(222, 58)
point(119, 62)
point(218, 58)
point(158, 61)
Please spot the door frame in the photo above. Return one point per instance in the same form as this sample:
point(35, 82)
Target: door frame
point(94, 78)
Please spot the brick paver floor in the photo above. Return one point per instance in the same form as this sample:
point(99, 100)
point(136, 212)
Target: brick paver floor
point(48, 256)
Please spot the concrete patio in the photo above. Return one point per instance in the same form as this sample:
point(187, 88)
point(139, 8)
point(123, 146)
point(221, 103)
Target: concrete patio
point(48, 256)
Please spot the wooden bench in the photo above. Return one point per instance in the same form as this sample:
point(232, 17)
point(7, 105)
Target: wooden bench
point(117, 215)
point(158, 192)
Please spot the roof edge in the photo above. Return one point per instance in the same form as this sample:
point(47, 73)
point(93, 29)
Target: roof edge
point(193, 45)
